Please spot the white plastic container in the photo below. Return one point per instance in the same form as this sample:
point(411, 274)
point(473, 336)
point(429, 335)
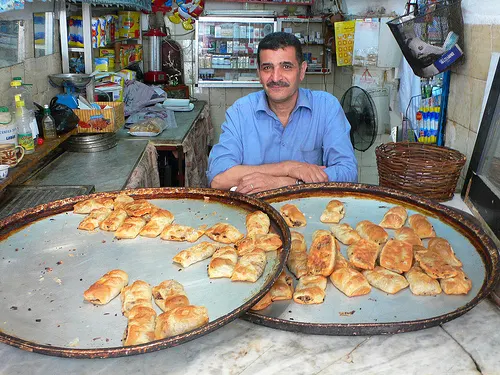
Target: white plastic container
point(8, 128)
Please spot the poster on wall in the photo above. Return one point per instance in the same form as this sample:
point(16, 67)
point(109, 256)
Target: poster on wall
point(366, 37)
point(344, 42)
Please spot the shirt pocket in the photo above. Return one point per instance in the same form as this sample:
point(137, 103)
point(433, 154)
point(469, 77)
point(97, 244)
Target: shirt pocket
point(314, 156)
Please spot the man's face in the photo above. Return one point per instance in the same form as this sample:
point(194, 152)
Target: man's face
point(280, 73)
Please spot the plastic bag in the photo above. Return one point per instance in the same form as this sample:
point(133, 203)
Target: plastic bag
point(66, 120)
point(149, 127)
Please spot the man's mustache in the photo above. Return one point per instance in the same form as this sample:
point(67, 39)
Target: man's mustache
point(278, 84)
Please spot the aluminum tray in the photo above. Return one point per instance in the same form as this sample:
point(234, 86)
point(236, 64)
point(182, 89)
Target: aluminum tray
point(378, 312)
point(47, 264)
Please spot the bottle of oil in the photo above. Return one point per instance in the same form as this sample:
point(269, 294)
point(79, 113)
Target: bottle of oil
point(23, 120)
point(48, 124)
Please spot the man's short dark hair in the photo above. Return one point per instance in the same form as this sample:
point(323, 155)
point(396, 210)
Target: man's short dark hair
point(279, 40)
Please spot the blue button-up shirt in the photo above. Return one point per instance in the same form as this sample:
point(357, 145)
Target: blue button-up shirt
point(317, 133)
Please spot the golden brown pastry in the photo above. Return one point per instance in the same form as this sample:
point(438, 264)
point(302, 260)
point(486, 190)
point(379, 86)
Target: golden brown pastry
point(282, 289)
point(158, 221)
point(106, 288)
point(195, 253)
point(224, 232)
point(385, 280)
point(141, 326)
point(372, 232)
point(395, 218)
point(421, 225)
point(176, 232)
point(180, 320)
point(94, 219)
point(169, 294)
point(138, 207)
point(266, 242)
point(139, 293)
point(89, 205)
point(257, 223)
point(263, 302)
point(345, 233)
point(443, 248)
point(114, 220)
point(223, 262)
point(130, 227)
point(298, 242)
point(363, 254)
point(333, 213)
point(408, 235)
point(350, 282)
point(310, 290)
point(396, 256)
point(422, 284)
point(433, 264)
point(297, 258)
point(250, 266)
point(458, 284)
point(293, 216)
point(122, 200)
point(322, 253)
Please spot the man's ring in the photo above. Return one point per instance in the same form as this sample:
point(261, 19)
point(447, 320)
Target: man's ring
point(251, 185)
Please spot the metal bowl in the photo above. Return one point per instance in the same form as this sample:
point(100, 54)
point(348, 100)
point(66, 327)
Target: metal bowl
point(70, 79)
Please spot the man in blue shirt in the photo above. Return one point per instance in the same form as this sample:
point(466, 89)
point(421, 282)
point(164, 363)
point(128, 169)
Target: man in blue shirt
point(282, 135)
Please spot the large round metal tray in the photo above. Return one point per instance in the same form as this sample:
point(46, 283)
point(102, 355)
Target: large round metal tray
point(47, 264)
point(378, 312)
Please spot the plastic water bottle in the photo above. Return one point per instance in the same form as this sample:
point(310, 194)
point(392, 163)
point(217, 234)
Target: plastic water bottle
point(17, 88)
point(24, 118)
point(48, 124)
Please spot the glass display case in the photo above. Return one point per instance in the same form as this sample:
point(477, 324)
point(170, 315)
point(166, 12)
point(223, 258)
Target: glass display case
point(226, 50)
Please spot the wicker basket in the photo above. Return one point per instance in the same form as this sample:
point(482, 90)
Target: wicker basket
point(426, 170)
point(101, 120)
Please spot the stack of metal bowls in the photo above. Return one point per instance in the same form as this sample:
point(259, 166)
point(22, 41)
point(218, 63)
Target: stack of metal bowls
point(90, 142)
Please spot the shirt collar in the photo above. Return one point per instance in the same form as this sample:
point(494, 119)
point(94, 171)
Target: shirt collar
point(302, 101)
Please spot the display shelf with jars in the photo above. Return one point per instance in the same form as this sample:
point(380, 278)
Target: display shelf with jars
point(227, 50)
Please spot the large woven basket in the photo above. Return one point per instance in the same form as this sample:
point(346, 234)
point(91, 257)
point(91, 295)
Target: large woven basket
point(426, 170)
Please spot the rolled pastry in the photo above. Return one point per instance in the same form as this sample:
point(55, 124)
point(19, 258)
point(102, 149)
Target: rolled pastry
point(138, 208)
point(223, 262)
point(141, 326)
point(257, 222)
point(106, 288)
point(421, 225)
point(158, 221)
point(169, 294)
point(95, 218)
point(408, 235)
point(385, 280)
point(363, 254)
point(443, 248)
point(396, 256)
point(195, 253)
point(345, 233)
point(114, 220)
point(422, 284)
point(180, 320)
point(322, 253)
point(266, 242)
point(282, 289)
point(89, 205)
point(130, 228)
point(176, 232)
point(224, 232)
point(121, 200)
point(458, 284)
point(433, 264)
point(310, 290)
point(395, 218)
point(349, 281)
point(333, 213)
point(263, 302)
point(139, 293)
point(250, 266)
point(372, 232)
point(293, 216)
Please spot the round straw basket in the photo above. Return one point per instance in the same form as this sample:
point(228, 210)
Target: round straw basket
point(426, 170)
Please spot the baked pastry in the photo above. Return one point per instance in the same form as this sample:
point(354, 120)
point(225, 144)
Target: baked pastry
point(293, 216)
point(89, 205)
point(385, 280)
point(223, 262)
point(180, 320)
point(345, 233)
point(266, 242)
point(138, 208)
point(140, 327)
point(139, 293)
point(372, 232)
point(106, 288)
point(169, 294)
point(95, 218)
point(333, 213)
point(310, 290)
point(130, 227)
point(394, 218)
point(321, 258)
point(158, 221)
point(433, 264)
point(349, 281)
point(458, 284)
point(257, 223)
point(263, 302)
point(297, 258)
point(363, 254)
point(250, 266)
point(443, 248)
point(114, 220)
point(298, 242)
point(195, 254)
point(421, 225)
point(396, 256)
point(422, 284)
point(224, 232)
point(176, 232)
point(121, 200)
point(282, 289)
point(340, 261)
point(407, 234)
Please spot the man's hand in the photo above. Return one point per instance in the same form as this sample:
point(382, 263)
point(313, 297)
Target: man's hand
point(256, 182)
point(306, 172)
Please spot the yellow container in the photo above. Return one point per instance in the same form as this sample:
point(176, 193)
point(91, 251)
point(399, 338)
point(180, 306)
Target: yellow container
point(130, 24)
point(110, 54)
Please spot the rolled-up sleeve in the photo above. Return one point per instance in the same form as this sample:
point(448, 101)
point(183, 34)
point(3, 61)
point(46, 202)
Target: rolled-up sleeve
point(338, 153)
point(229, 151)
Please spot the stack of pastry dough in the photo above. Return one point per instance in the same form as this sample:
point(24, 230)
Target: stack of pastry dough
point(373, 259)
point(143, 323)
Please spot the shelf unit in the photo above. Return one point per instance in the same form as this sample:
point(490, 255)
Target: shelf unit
point(311, 2)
